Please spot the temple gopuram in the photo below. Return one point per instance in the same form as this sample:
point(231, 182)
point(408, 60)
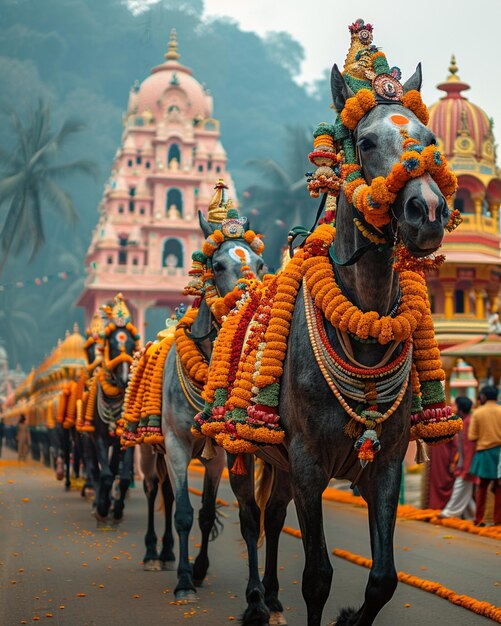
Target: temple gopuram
point(162, 175)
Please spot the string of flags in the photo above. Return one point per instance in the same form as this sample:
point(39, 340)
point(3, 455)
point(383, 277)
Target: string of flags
point(39, 281)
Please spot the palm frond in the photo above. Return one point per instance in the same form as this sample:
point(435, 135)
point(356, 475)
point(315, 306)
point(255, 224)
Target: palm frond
point(69, 127)
point(35, 223)
point(10, 185)
point(60, 200)
point(82, 166)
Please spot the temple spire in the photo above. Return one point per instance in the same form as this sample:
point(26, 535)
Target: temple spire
point(172, 54)
point(453, 85)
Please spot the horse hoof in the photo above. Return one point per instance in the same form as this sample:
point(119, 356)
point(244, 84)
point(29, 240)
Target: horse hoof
point(168, 566)
point(152, 566)
point(277, 619)
point(186, 597)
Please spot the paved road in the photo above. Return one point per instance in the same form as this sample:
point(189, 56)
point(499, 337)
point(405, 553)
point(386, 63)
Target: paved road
point(55, 566)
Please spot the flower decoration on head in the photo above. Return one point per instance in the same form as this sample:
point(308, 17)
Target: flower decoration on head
point(231, 227)
point(372, 81)
point(119, 317)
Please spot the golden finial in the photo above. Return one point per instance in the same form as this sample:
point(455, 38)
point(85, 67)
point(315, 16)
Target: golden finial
point(218, 206)
point(172, 54)
point(361, 38)
point(453, 69)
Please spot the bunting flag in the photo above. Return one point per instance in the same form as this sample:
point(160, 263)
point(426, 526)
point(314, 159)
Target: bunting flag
point(39, 281)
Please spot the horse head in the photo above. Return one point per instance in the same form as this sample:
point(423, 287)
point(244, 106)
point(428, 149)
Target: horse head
point(389, 135)
point(120, 339)
point(233, 257)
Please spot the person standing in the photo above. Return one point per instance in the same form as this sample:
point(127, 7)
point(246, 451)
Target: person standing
point(461, 502)
point(485, 430)
point(23, 439)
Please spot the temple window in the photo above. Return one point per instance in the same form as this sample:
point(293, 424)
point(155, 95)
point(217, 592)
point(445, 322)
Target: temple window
point(200, 168)
point(209, 164)
point(121, 208)
point(172, 253)
point(131, 206)
point(138, 160)
point(129, 162)
point(459, 301)
point(132, 191)
point(174, 203)
point(218, 169)
point(123, 240)
point(148, 165)
point(109, 260)
point(174, 157)
point(464, 202)
point(141, 210)
point(134, 261)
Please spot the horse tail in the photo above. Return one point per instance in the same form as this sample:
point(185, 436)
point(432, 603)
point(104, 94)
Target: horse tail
point(264, 476)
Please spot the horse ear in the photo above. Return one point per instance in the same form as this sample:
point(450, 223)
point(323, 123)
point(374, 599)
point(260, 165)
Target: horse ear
point(207, 229)
point(415, 81)
point(340, 90)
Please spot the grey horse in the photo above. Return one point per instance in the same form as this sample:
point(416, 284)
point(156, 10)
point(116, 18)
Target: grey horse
point(316, 445)
point(177, 417)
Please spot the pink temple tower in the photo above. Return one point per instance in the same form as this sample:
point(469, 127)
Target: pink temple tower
point(163, 173)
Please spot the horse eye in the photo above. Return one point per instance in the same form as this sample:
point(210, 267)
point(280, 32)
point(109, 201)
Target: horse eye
point(219, 267)
point(366, 144)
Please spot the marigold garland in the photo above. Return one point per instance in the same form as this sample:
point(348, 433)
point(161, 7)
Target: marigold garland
point(242, 391)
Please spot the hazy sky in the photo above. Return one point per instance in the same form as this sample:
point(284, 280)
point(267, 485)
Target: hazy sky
point(426, 30)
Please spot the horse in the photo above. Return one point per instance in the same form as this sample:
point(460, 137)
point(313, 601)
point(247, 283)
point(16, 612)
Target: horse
point(120, 342)
point(317, 447)
point(177, 414)
point(312, 418)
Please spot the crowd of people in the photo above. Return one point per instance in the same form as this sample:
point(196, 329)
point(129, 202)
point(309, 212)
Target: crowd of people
point(464, 470)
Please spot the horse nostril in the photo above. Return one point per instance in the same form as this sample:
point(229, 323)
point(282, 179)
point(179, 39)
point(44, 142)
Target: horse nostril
point(415, 212)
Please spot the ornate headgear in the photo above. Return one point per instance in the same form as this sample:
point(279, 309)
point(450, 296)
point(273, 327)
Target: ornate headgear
point(369, 76)
point(232, 226)
point(219, 204)
point(119, 313)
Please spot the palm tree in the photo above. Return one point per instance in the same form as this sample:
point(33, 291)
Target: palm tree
point(30, 176)
point(284, 202)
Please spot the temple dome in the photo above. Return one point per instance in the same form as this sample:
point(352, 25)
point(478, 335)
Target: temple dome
point(462, 128)
point(170, 84)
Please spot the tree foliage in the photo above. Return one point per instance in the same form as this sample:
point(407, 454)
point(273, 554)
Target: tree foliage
point(84, 55)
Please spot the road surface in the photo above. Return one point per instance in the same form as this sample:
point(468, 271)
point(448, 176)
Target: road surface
point(56, 567)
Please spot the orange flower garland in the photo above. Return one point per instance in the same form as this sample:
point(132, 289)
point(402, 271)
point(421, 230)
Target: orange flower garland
point(241, 413)
point(364, 100)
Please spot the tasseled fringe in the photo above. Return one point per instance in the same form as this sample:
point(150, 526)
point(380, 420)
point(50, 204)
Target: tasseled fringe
point(239, 466)
point(353, 429)
point(209, 451)
point(421, 453)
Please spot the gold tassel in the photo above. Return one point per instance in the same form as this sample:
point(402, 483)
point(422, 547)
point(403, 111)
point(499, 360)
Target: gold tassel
point(209, 451)
point(353, 429)
point(421, 453)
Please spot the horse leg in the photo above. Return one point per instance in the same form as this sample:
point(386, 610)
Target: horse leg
point(256, 613)
point(207, 514)
point(67, 456)
point(167, 558)
point(274, 518)
point(150, 560)
point(382, 500)
point(308, 484)
point(125, 468)
point(177, 458)
point(106, 478)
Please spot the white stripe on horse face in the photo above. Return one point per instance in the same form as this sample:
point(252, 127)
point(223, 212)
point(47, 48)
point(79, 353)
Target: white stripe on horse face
point(429, 196)
point(238, 253)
